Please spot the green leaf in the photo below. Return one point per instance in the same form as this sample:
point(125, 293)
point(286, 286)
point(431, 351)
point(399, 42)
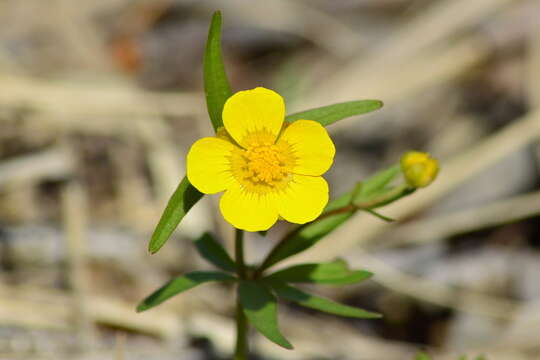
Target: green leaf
point(379, 215)
point(375, 192)
point(303, 238)
point(339, 202)
point(377, 182)
point(260, 307)
point(333, 273)
point(383, 197)
point(180, 284)
point(329, 114)
point(216, 84)
point(213, 252)
point(319, 303)
point(422, 356)
point(183, 199)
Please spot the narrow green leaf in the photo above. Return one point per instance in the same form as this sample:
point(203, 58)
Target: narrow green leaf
point(362, 198)
point(378, 181)
point(339, 202)
point(216, 84)
point(383, 197)
point(374, 189)
point(319, 303)
point(183, 199)
point(329, 114)
point(332, 273)
point(260, 307)
point(355, 277)
point(180, 284)
point(379, 215)
point(303, 238)
point(213, 252)
point(307, 235)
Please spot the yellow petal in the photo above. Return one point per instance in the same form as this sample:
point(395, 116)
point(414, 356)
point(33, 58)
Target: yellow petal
point(248, 210)
point(311, 145)
point(257, 110)
point(304, 199)
point(208, 165)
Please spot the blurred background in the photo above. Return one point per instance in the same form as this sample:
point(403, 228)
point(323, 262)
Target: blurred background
point(100, 100)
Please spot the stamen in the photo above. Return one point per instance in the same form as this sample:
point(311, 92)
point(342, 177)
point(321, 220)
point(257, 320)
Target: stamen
point(263, 166)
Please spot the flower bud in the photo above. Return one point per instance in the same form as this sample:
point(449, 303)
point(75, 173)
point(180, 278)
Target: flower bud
point(419, 168)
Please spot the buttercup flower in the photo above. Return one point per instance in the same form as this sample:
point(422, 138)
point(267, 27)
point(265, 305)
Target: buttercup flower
point(269, 169)
point(419, 168)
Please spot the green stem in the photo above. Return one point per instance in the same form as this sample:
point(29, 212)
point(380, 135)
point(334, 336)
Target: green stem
point(241, 349)
point(239, 253)
point(349, 206)
point(385, 199)
point(390, 196)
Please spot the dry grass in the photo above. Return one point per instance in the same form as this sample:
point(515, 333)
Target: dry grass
point(61, 89)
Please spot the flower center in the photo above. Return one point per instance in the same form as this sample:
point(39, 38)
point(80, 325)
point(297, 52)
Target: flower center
point(263, 165)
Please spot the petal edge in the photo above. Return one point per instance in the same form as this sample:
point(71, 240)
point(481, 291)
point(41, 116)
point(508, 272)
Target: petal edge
point(304, 199)
point(311, 145)
point(255, 110)
point(208, 165)
point(248, 211)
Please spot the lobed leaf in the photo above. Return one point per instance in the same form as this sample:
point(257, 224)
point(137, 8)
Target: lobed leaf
point(319, 303)
point(182, 200)
point(213, 252)
point(216, 84)
point(329, 114)
point(333, 273)
point(181, 284)
point(260, 307)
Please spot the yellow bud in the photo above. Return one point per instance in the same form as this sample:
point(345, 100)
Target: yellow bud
point(419, 168)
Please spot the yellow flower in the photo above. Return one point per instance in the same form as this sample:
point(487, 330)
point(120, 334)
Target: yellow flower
point(268, 169)
point(419, 168)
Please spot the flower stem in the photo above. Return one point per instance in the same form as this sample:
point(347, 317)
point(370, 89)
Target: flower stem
point(239, 253)
point(241, 349)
